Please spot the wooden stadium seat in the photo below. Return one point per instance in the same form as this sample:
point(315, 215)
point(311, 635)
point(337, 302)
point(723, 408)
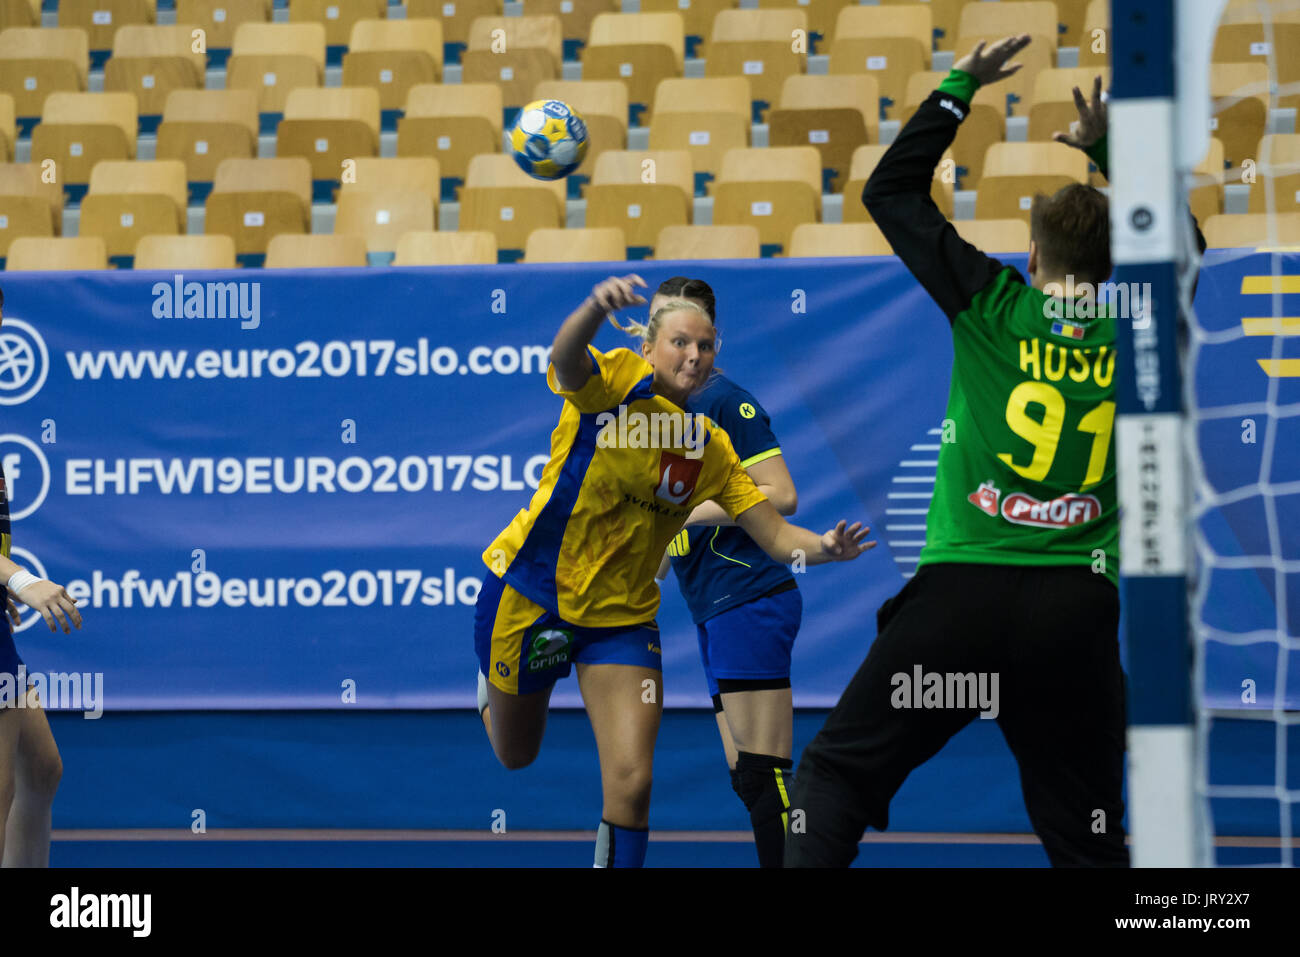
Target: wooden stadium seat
point(575, 16)
point(838, 239)
point(456, 16)
point(533, 50)
point(1015, 172)
point(20, 13)
point(427, 248)
point(590, 245)
point(8, 128)
point(1035, 17)
point(834, 114)
point(1014, 92)
point(36, 62)
point(393, 56)
point(1051, 105)
point(41, 254)
point(641, 49)
point(1278, 166)
point(338, 16)
point(452, 122)
point(382, 216)
point(985, 125)
point(185, 252)
point(28, 207)
point(101, 19)
point(219, 19)
point(1241, 38)
point(1239, 94)
point(203, 127)
point(1249, 230)
point(865, 159)
point(619, 195)
point(1071, 17)
point(77, 130)
point(603, 107)
point(888, 43)
point(704, 116)
point(708, 242)
point(756, 44)
point(129, 199)
point(415, 173)
point(500, 198)
point(995, 235)
point(1094, 43)
point(774, 189)
point(151, 62)
point(1205, 194)
point(697, 17)
point(288, 251)
point(822, 17)
point(274, 59)
point(327, 125)
point(944, 15)
point(253, 200)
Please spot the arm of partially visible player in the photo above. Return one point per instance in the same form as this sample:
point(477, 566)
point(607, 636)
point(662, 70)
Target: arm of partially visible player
point(45, 596)
point(772, 478)
point(786, 543)
point(569, 355)
point(898, 193)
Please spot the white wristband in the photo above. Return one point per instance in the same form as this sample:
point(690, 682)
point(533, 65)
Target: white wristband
point(20, 580)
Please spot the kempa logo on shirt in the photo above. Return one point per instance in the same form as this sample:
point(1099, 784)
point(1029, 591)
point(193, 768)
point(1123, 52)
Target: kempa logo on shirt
point(75, 909)
point(549, 648)
point(656, 430)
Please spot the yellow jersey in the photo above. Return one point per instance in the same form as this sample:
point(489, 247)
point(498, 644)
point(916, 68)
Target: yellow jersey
point(626, 468)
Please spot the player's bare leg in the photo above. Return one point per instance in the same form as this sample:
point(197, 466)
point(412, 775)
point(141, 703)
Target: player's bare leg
point(761, 722)
point(37, 769)
point(625, 704)
point(515, 725)
point(10, 727)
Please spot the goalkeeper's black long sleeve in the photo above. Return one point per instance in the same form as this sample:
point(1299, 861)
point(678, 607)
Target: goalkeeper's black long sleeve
point(898, 197)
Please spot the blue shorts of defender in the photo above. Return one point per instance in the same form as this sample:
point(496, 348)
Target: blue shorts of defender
point(523, 648)
point(751, 643)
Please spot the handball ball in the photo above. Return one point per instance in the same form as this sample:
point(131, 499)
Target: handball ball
point(548, 140)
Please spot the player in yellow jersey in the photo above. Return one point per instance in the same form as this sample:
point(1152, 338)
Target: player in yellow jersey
point(574, 574)
point(30, 768)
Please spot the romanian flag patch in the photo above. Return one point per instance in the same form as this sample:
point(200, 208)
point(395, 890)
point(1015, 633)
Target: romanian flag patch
point(1067, 329)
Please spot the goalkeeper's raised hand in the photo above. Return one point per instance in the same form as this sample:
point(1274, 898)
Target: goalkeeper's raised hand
point(989, 64)
point(1091, 124)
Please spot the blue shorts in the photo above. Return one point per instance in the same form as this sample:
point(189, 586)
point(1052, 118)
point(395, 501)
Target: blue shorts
point(523, 648)
point(753, 641)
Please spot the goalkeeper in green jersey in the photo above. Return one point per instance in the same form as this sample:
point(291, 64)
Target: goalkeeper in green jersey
point(1013, 613)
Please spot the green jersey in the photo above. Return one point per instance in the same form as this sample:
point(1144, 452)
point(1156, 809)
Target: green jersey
point(1026, 472)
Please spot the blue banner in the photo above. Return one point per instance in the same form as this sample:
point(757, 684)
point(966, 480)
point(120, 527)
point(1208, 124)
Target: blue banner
point(272, 489)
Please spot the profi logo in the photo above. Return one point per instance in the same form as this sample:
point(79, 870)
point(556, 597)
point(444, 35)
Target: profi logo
point(24, 362)
point(985, 498)
point(1063, 512)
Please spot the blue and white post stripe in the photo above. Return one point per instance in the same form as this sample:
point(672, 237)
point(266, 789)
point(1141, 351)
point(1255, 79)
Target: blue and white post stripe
point(1146, 215)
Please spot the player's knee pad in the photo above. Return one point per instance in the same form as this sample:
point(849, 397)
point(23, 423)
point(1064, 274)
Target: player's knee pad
point(763, 782)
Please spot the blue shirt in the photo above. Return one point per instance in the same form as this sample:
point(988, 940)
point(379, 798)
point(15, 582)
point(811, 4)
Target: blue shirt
point(720, 567)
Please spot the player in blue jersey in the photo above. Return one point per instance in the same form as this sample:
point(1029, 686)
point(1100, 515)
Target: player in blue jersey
point(30, 767)
point(746, 607)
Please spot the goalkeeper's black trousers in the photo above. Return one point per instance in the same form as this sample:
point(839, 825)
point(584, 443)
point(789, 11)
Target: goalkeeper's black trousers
point(1048, 637)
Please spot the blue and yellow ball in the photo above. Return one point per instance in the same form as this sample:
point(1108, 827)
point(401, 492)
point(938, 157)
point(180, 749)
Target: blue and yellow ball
point(548, 139)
